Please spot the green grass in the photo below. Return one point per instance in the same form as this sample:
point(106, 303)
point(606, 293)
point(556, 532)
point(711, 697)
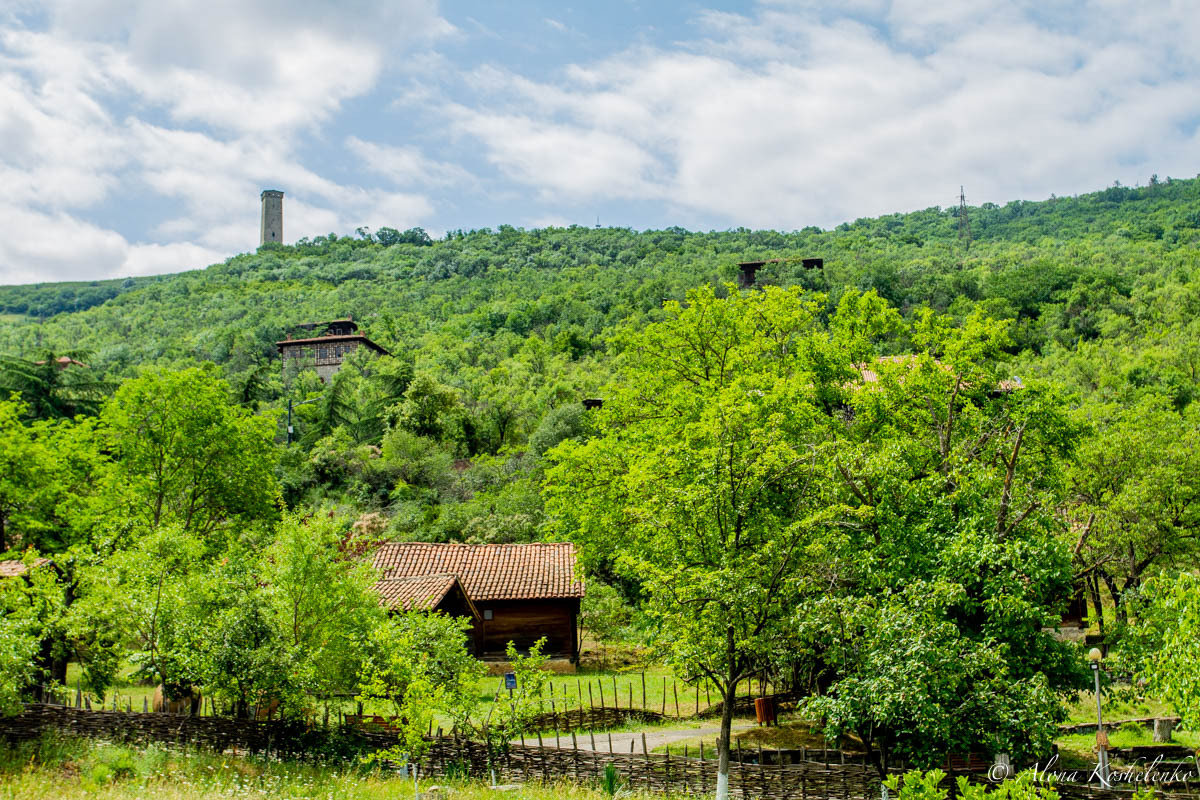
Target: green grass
point(71, 769)
point(570, 692)
point(1116, 706)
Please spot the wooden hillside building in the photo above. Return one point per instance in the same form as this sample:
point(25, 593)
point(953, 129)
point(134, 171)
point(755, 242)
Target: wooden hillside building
point(325, 350)
point(511, 592)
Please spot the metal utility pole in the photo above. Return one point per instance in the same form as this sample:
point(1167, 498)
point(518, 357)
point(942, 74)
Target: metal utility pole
point(964, 221)
point(1094, 657)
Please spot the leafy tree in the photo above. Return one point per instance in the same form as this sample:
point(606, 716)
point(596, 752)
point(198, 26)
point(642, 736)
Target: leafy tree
point(28, 491)
point(421, 663)
point(429, 407)
point(948, 567)
point(55, 385)
point(707, 459)
point(29, 608)
point(1137, 492)
point(1163, 645)
point(149, 600)
point(321, 602)
point(185, 455)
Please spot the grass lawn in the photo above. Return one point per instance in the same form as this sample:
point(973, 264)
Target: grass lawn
point(790, 734)
point(1116, 706)
point(652, 687)
point(75, 769)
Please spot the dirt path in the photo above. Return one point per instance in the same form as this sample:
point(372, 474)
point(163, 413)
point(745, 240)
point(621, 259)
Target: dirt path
point(655, 737)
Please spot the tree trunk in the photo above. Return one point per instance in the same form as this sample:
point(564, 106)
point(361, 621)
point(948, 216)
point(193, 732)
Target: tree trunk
point(1093, 585)
point(725, 740)
point(1118, 606)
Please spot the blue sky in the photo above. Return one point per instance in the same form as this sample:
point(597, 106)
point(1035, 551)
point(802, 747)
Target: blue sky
point(136, 136)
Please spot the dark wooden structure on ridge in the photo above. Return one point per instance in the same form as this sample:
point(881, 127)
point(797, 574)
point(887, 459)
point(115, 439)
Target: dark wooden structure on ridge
point(512, 592)
point(325, 350)
point(748, 269)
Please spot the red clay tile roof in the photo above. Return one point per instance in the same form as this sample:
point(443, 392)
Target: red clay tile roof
point(421, 592)
point(15, 568)
point(488, 571)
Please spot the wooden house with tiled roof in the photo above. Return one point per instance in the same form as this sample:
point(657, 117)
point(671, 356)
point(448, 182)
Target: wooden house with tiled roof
point(513, 592)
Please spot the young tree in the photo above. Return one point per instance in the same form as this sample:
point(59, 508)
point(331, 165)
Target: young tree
point(185, 455)
point(29, 607)
point(420, 663)
point(320, 602)
point(708, 460)
point(1163, 645)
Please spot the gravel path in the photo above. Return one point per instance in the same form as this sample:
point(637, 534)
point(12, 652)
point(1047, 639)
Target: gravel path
point(655, 737)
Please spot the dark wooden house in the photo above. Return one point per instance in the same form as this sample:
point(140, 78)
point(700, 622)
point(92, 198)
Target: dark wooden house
point(512, 592)
point(326, 348)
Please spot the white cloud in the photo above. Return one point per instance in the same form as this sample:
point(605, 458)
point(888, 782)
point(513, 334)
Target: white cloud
point(407, 166)
point(200, 105)
point(798, 115)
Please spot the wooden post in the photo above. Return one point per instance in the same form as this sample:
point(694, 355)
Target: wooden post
point(600, 684)
point(610, 746)
point(643, 689)
point(591, 702)
point(675, 690)
point(592, 737)
point(645, 751)
point(616, 695)
point(631, 695)
point(575, 755)
point(664, 702)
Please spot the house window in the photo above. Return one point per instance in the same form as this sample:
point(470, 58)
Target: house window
point(487, 613)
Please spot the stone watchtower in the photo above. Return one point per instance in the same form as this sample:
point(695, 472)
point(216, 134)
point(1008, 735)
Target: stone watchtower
point(272, 216)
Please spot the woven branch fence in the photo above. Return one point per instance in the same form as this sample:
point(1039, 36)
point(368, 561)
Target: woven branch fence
point(757, 774)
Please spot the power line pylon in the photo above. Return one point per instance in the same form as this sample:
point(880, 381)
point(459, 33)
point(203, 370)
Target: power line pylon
point(964, 222)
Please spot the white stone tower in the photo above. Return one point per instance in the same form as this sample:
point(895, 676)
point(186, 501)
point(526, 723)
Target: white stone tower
point(272, 216)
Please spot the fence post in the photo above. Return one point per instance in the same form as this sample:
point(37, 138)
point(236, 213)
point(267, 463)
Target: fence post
point(575, 755)
point(703, 768)
point(643, 690)
point(664, 702)
point(600, 686)
point(591, 702)
point(675, 691)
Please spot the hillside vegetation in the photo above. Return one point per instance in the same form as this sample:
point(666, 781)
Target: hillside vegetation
point(929, 446)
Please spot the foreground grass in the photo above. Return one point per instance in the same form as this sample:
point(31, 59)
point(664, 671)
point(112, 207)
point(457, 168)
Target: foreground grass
point(73, 769)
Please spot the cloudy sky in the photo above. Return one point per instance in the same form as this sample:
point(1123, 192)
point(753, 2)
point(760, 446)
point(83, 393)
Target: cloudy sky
point(135, 136)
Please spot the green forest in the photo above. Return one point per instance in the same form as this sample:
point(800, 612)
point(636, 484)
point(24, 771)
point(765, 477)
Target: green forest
point(929, 446)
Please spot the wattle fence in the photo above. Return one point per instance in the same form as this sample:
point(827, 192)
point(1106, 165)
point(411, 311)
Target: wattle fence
point(755, 774)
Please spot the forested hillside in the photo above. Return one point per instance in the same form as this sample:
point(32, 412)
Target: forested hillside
point(1086, 280)
point(506, 330)
point(497, 335)
point(930, 445)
